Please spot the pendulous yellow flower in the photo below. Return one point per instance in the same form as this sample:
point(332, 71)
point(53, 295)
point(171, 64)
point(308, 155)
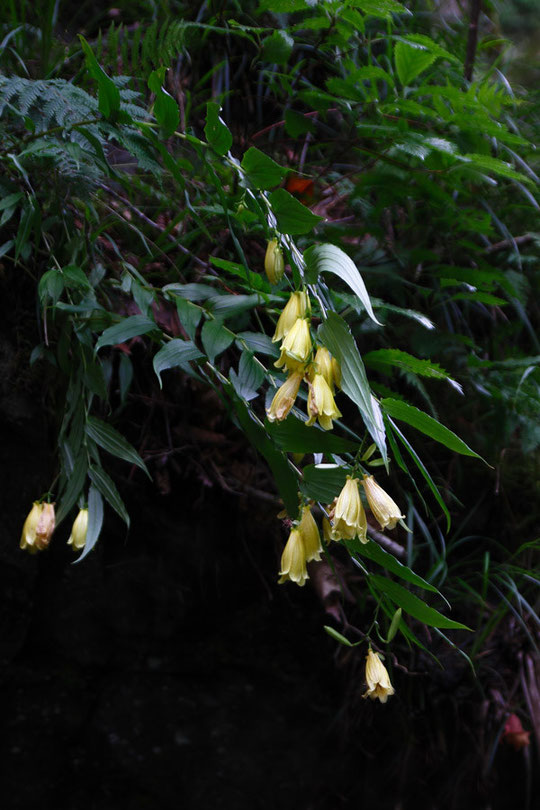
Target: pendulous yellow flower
point(38, 527)
point(328, 367)
point(321, 403)
point(377, 678)
point(349, 516)
point(296, 346)
point(310, 535)
point(274, 264)
point(77, 538)
point(284, 397)
point(296, 307)
point(293, 560)
point(385, 510)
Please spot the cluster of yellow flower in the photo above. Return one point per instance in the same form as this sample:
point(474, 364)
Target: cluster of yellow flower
point(39, 527)
point(322, 374)
point(346, 516)
point(346, 520)
point(303, 546)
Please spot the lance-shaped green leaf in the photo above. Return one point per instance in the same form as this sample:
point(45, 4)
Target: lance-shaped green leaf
point(374, 552)
point(426, 424)
point(189, 315)
point(262, 171)
point(384, 359)
point(108, 489)
point(336, 336)
point(331, 259)
point(74, 486)
point(217, 133)
point(216, 338)
point(165, 107)
point(108, 92)
point(322, 482)
point(113, 442)
point(339, 637)
point(225, 306)
point(294, 436)
point(176, 353)
point(393, 428)
point(128, 328)
point(249, 377)
point(257, 342)
point(95, 521)
point(414, 606)
point(292, 217)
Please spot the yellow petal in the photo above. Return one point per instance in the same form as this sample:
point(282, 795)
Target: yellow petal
point(293, 560)
point(296, 307)
point(310, 535)
point(28, 536)
point(274, 265)
point(377, 678)
point(385, 510)
point(285, 397)
point(77, 538)
point(349, 516)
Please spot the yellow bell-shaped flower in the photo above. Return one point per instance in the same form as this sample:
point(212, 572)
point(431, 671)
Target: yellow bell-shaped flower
point(274, 265)
point(296, 307)
point(285, 397)
point(321, 403)
point(377, 678)
point(77, 538)
point(310, 535)
point(349, 515)
point(328, 366)
point(296, 346)
point(293, 560)
point(38, 527)
point(385, 510)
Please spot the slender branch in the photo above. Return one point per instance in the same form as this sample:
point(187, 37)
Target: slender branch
point(472, 39)
point(511, 243)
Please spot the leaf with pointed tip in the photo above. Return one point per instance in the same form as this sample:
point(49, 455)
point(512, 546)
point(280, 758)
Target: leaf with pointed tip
point(331, 259)
point(95, 521)
point(336, 336)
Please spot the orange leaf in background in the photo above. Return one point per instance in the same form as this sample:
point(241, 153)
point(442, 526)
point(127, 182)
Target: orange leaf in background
point(301, 187)
point(514, 734)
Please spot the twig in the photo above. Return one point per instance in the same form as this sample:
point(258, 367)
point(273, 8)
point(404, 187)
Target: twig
point(508, 243)
point(472, 39)
point(386, 542)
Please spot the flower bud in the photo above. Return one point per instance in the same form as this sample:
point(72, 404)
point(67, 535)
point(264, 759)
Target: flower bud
point(321, 403)
point(285, 397)
point(349, 516)
point(274, 264)
point(38, 527)
point(77, 538)
point(385, 510)
point(296, 346)
point(296, 307)
point(377, 678)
